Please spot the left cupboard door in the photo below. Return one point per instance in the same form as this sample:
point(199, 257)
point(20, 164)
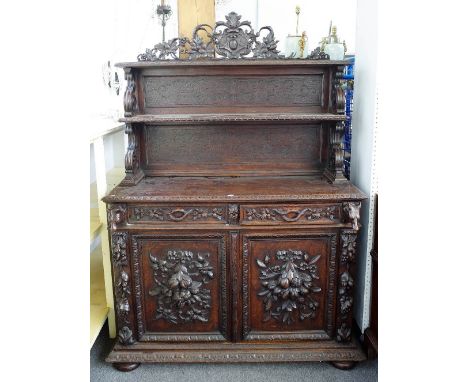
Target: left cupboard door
point(180, 289)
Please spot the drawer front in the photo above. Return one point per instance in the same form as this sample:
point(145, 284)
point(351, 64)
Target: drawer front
point(290, 214)
point(177, 214)
point(288, 286)
point(180, 284)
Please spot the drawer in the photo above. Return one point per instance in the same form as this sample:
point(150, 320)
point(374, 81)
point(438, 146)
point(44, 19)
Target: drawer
point(290, 214)
point(177, 214)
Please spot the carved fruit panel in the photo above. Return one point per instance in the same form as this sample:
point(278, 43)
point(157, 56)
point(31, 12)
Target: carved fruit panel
point(286, 283)
point(183, 284)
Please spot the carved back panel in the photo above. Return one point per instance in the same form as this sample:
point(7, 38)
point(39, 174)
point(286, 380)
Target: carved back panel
point(225, 89)
point(231, 150)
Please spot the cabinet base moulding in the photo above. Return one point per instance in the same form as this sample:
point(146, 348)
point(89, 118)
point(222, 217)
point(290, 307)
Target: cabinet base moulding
point(238, 353)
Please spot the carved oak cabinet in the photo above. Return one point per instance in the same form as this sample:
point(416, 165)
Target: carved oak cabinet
point(233, 234)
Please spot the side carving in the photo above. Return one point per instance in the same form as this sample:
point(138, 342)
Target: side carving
point(133, 172)
point(122, 288)
point(179, 278)
point(352, 213)
point(291, 215)
point(116, 214)
point(175, 214)
point(334, 170)
point(130, 100)
point(346, 284)
point(288, 285)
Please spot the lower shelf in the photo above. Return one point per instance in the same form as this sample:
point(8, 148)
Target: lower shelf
point(237, 352)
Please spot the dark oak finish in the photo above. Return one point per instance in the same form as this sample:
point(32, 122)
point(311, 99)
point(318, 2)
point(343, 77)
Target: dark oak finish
point(125, 366)
point(234, 231)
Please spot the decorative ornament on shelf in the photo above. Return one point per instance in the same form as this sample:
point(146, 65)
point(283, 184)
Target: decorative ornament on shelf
point(164, 13)
point(229, 39)
point(332, 45)
point(297, 45)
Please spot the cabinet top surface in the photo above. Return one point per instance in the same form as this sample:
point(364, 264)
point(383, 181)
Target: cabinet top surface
point(234, 189)
point(231, 62)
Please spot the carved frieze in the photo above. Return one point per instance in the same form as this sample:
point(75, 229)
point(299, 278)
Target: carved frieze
point(295, 90)
point(307, 214)
point(180, 279)
point(178, 214)
point(288, 285)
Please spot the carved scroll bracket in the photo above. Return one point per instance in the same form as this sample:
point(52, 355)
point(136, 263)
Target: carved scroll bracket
point(130, 99)
point(334, 169)
point(132, 157)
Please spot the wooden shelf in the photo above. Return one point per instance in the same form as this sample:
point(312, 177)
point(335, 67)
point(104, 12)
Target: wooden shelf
point(98, 305)
point(233, 189)
point(169, 119)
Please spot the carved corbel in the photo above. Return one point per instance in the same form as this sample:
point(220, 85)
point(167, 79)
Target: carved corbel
point(130, 99)
point(334, 170)
point(116, 215)
point(352, 213)
point(133, 172)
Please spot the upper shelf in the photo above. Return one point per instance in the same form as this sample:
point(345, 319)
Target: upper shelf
point(168, 119)
point(232, 62)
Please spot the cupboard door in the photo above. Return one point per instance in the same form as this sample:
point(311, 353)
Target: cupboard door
point(180, 287)
point(288, 286)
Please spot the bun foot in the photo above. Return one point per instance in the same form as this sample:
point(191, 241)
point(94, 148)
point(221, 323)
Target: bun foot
point(124, 366)
point(343, 365)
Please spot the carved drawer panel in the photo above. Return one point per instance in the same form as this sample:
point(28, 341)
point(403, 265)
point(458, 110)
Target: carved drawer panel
point(177, 214)
point(180, 287)
point(288, 286)
point(292, 214)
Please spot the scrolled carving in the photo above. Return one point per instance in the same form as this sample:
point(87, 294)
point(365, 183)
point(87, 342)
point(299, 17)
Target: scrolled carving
point(291, 215)
point(130, 100)
point(231, 38)
point(177, 214)
point(352, 213)
point(179, 278)
point(318, 54)
point(288, 285)
point(334, 170)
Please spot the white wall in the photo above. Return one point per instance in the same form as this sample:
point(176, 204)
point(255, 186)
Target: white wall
point(363, 146)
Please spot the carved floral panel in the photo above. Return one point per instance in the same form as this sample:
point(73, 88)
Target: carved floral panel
point(288, 285)
point(180, 286)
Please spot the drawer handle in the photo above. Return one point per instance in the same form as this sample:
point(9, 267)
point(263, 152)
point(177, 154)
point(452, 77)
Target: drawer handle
point(291, 215)
point(179, 214)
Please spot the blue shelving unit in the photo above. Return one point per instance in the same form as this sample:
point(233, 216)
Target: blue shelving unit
point(348, 85)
